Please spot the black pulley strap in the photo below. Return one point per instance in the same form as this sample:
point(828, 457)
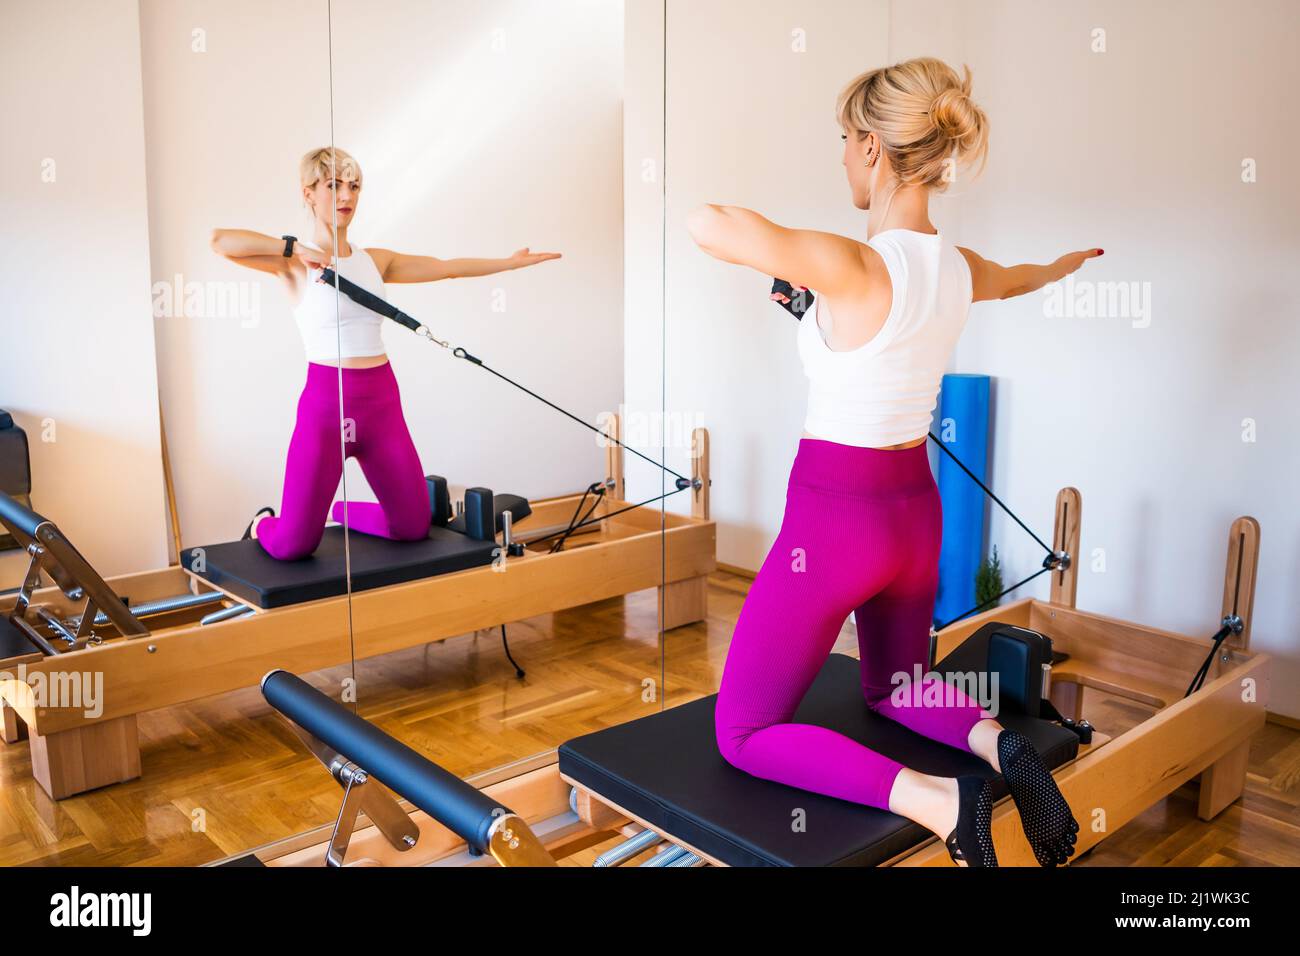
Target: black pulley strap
point(988, 491)
point(461, 353)
point(369, 300)
point(465, 810)
point(993, 600)
point(375, 304)
point(599, 518)
point(1199, 680)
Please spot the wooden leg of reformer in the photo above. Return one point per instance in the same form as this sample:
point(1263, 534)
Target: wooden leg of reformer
point(73, 761)
point(684, 602)
point(12, 728)
point(1223, 782)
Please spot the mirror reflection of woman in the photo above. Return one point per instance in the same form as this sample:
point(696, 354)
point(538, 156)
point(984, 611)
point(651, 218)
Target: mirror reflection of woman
point(344, 340)
point(862, 523)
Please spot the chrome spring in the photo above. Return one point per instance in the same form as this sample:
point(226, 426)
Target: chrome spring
point(667, 857)
point(165, 605)
point(628, 848)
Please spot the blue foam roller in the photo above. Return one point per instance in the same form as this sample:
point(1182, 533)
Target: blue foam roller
point(964, 430)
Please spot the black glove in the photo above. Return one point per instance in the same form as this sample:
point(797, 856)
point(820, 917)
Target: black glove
point(800, 302)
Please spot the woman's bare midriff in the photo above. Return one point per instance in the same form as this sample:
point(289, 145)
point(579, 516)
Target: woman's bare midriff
point(899, 447)
point(364, 361)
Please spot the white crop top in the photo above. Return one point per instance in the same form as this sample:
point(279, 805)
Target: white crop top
point(884, 392)
point(333, 326)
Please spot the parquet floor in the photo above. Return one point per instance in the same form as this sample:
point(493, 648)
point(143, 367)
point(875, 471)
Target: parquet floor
point(224, 775)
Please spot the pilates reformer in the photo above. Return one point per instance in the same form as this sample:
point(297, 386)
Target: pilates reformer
point(560, 553)
point(655, 791)
point(143, 641)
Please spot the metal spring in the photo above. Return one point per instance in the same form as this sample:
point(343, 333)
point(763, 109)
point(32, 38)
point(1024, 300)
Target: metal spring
point(167, 604)
point(666, 857)
point(628, 848)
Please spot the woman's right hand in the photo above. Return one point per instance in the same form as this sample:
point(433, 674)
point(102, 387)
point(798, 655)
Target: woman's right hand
point(784, 299)
point(311, 257)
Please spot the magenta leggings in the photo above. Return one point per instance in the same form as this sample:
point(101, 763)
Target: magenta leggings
point(375, 434)
point(860, 536)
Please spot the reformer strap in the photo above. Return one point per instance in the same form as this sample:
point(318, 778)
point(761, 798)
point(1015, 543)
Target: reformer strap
point(1199, 680)
point(988, 491)
point(374, 303)
point(367, 299)
point(995, 598)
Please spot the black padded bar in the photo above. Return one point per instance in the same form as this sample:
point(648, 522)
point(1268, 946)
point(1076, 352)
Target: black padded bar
point(369, 300)
point(465, 810)
point(21, 521)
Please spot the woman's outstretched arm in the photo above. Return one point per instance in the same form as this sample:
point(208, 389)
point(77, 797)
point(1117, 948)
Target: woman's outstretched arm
point(992, 281)
point(831, 264)
point(399, 267)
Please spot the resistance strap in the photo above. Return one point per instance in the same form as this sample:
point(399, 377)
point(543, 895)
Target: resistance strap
point(374, 303)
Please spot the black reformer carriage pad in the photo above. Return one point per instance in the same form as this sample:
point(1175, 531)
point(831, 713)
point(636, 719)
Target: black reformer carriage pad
point(666, 770)
point(243, 569)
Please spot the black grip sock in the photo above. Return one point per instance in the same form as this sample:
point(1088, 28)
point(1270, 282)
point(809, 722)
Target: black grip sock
point(1049, 825)
point(971, 840)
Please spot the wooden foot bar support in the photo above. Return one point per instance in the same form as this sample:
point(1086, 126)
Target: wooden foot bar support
point(1065, 538)
point(686, 602)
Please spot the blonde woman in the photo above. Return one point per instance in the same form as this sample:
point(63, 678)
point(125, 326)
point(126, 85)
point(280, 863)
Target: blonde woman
point(862, 521)
point(344, 339)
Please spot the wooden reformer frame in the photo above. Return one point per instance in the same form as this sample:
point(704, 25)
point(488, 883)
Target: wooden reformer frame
point(176, 659)
point(1111, 781)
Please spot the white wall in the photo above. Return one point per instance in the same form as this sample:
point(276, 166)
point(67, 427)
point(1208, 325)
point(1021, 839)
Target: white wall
point(750, 121)
point(1137, 150)
point(235, 92)
point(76, 333)
point(480, 129)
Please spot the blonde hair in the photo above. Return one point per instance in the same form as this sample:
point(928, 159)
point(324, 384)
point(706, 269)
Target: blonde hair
point(328, 162)
point(924, 116)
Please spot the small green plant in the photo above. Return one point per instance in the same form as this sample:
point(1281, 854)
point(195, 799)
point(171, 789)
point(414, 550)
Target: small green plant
point(988, 581)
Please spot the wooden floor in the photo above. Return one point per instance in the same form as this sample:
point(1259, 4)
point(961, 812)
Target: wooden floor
point(225, 775)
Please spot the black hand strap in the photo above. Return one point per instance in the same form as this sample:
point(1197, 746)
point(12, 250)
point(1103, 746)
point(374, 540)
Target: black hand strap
point(799, 302)
point(288, 245)
point(369, 300)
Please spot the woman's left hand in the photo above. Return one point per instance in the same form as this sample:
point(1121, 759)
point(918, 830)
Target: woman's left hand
point(524, 258)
